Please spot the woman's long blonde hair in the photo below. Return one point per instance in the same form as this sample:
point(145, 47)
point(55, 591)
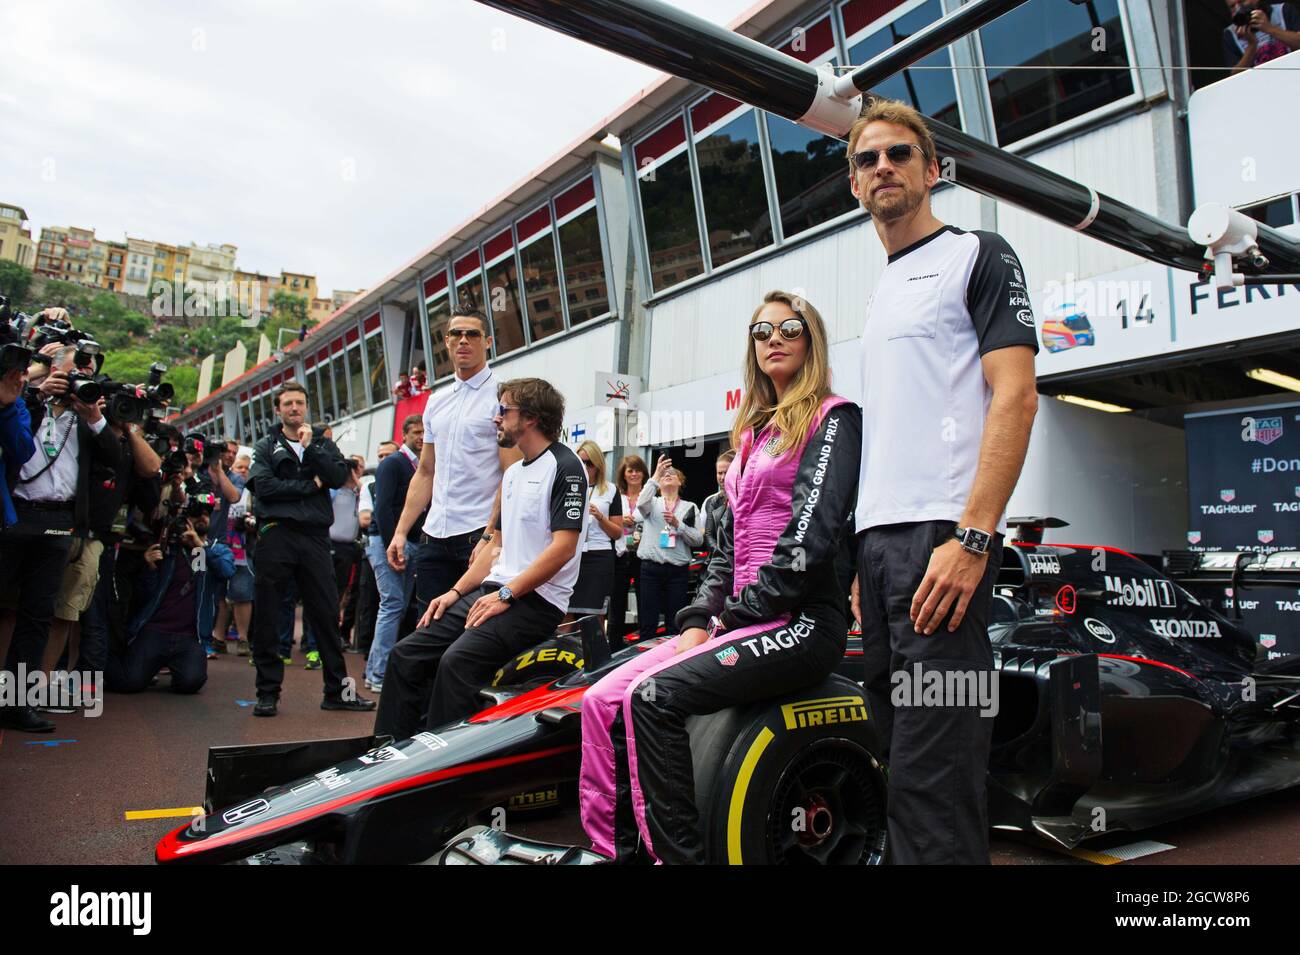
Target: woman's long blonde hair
point(592, 450)
point(794, 415)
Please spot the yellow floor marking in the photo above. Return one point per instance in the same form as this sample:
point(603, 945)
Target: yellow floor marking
point(163, 813)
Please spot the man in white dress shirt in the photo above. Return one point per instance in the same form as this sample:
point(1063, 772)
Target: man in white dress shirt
point(459, 476)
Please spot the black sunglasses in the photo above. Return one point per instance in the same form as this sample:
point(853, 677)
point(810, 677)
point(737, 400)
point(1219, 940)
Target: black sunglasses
point(790, 329)
point(471, 333)
point(898, 154)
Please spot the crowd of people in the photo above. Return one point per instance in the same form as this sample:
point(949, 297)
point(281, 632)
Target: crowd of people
point(483, 531)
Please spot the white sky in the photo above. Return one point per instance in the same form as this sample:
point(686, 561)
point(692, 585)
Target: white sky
point(332, 138)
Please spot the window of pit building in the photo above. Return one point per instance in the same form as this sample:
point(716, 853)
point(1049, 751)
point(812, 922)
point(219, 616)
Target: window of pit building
point(672, 231)
point(469, 282)
point(356, 372)
point(246, 429)
point(582, 252)
point(1055, 37)
point(506, 308)
point(872, 27)
point(375, 368)
point(809, 168)
point(732, 184)
point(437, 307)
point(541, 273)
point(342, 401)
point(1275, 212)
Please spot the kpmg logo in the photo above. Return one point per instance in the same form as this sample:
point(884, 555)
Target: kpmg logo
point(1261, 430)
point(1265, 537)
point(1227, 495)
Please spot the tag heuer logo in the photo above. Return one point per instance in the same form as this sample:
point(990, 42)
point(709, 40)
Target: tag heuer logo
point(1227, 494)
point(1268, 640)
point(728, 657)
point(1193, 537)
point(1265, 537)
point(1261, 430)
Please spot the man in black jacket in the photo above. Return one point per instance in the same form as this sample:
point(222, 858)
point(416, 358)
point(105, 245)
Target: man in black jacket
point(294, 468)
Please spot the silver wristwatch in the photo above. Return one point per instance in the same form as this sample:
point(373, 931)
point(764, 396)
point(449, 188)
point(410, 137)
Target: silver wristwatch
point(975, 541)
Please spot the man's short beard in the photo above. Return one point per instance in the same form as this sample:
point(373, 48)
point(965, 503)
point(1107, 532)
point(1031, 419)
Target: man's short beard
point(896, 210)
point(506, 440)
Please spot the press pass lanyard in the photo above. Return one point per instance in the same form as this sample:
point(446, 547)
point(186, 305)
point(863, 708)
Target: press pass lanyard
point(52, 453)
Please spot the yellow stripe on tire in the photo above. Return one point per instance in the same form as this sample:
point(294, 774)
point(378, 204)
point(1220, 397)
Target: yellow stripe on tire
point(737, 811)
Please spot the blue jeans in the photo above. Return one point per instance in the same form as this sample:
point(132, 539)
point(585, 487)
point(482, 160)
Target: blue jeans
point(395, 590)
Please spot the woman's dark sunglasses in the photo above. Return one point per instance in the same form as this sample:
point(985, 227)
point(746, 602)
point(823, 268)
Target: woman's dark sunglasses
point(790, 329)
point(898, 154)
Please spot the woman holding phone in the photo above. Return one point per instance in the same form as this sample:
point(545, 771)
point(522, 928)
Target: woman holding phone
point(770, 613)
point(671, 530)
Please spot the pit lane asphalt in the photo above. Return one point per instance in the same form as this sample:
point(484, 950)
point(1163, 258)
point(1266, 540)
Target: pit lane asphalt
point(66, 804)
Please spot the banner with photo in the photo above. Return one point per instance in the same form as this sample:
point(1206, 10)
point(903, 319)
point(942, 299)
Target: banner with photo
point(1243, 485)
point(1150, 310)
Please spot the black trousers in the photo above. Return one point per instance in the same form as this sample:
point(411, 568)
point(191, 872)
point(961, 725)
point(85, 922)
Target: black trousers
point(286, 555)
point(103, 614)
point(442, 561)
point(149, 652)
point(661, 589)
point(367, 606)
point(627, 569)
point(938, 755)
point(435, 673)
point(35, 564)
point(345, 557)
point(741, 666)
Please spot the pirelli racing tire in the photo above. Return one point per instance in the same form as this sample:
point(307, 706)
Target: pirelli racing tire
point(549, 660)
point(792, 781)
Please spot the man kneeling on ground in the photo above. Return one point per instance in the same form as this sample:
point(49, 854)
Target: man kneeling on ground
point(177, 605)
point(508, 600)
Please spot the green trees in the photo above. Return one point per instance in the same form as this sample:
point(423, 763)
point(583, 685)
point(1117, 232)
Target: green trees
point(133, 341)
point(14, 282)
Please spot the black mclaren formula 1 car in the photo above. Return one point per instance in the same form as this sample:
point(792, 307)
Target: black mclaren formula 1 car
point(1121, 701)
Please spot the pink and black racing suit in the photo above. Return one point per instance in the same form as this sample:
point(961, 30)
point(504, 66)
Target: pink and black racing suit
point(772, 602)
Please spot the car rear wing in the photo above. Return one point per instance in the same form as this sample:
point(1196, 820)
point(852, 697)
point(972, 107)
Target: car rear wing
point(1233, 569)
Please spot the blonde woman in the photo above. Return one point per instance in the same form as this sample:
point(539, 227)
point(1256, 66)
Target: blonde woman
point(604, 525)
point(769, 616)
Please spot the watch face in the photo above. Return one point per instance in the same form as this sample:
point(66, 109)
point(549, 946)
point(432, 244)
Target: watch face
point(976, 540)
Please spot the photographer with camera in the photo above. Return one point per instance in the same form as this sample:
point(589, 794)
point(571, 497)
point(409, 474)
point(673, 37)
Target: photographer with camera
point(81, 610)
point(1259, 32)
point(176, 605)
point(52, 503)
point(294, 469)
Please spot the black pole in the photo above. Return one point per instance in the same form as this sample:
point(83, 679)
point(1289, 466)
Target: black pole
point(954, 26)
point(687, 46)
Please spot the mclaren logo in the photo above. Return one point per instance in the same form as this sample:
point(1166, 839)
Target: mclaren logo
point(835, 709)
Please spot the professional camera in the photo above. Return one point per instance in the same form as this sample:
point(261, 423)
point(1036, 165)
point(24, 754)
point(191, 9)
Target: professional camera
point(13, 352)
point(197, 443)
point(83, 386)
point(180, 512)
point(1242, 17)
point(137, 404)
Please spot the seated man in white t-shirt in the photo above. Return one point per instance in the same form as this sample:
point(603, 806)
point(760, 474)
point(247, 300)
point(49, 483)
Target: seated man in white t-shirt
point(510, 598)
